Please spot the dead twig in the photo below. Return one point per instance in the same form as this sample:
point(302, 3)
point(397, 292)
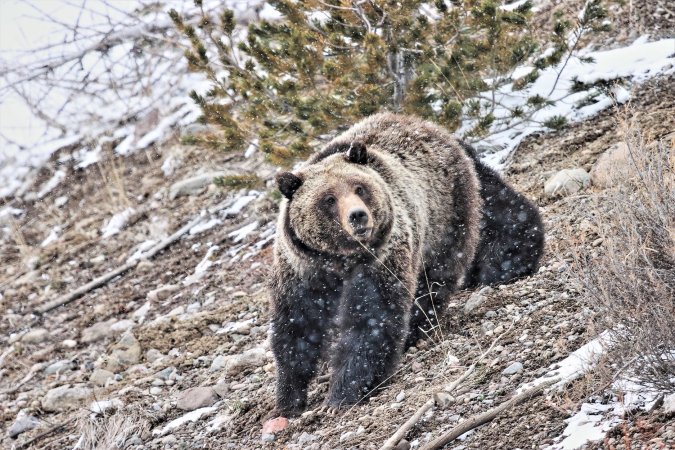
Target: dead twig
point(35, 368)
point(401, 432)
point(45, 433)
point(103, 279)
point(487, 416)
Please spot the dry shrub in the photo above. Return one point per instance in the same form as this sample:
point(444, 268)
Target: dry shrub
point(631, 277)
point(110, 432)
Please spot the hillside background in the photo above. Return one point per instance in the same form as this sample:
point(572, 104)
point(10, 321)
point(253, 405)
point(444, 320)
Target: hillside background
point(108, 174)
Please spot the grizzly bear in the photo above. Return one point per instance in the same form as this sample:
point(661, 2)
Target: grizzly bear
point(375, 231)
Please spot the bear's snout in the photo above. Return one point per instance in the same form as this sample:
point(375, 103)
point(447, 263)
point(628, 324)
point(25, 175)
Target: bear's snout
point(358, 218)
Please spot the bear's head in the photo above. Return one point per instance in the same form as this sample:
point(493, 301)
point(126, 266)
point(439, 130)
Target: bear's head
point(338, 205)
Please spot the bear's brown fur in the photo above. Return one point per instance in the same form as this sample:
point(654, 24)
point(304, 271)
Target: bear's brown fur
point(419, 201)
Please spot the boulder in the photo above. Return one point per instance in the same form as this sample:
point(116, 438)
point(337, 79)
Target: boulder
point(566, 182)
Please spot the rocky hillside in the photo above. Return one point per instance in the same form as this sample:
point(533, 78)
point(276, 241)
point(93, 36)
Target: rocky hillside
point(173, 351)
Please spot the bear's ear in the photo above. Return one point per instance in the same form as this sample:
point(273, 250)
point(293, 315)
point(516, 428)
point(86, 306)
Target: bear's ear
point(357, 153)
point(288, 183)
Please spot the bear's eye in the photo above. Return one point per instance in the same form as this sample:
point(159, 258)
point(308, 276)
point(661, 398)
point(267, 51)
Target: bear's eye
point(329, 200)
point(360, 191)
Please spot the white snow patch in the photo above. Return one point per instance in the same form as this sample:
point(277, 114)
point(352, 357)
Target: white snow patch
point(202, 267)
point(269, 13)
point(575, 365)
point(101, 406)
point(217, 423)
point(54, 181)
point(593, 420)
point(87, 156)
point(52, 237)
point(201, 227)
point(192, 416)
point(117, 222)
point(238, 205)
point(240, 234)
point(141, 249)
point(253, 146)
point(234, 327)
point(636, 63)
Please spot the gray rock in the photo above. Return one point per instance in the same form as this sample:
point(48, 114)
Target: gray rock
point(153, 355)
point(669, 404)
point(443, 399)
point(306, 438)
point(513, 369)
point(124, 354)
point(401, 396)
point(162, 292)
point(194, 185)
point(613, 164)
point(35, 336)
point(476, 299)
point(267, 437)
point(196, 397)
point(22, 424)
point(64, 398)
point(59, 367)
point(566, 182)
point(100, 376)
point(235, 364)
point(98, 331)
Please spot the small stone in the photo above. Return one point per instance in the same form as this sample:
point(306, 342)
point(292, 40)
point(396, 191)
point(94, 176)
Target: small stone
point(22, 424)
point(613, 164)
point(566, 182)
point(195, 184)
point(443, 399)
point(513, 369)
point(403, 445)
point(97, 331)
point(122, 326)
point(196, 397)
point(100, 376)
point(153, 355)
point(669, 404)
point(69, 343)
point(400, 397)
point(162, 292)
point(306, 438)
point(273, 426)
point(267, 437)
point(235, 364)
point(35, 336)
point(155, 390)
point(487, 326)
point(476, 299)
point(59, 367)
point(125, 353)
point(347, 435)
point(64, 398)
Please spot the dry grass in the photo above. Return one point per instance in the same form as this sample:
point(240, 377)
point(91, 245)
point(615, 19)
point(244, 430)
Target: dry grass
point(110, 432)
point(630, 279)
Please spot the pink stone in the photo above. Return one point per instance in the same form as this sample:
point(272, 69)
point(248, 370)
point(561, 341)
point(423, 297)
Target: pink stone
point(275, 425)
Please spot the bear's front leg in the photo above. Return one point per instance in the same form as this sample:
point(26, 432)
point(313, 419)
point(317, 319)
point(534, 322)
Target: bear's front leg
point(302, 315)
point(373, 315)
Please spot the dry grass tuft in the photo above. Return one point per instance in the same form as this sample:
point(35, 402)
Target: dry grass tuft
point(630, 279)
point(110, 432)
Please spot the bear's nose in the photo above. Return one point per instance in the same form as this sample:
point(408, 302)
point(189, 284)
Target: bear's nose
point(358, 218)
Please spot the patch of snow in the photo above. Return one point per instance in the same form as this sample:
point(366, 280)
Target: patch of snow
point(9, 211)
point(238, 206)
point(240, 234)
point(87, 157)
point(217, 423)
point(117, 222)
point(52, 237)
point(635, 63)
point(162, 131)
point(593, 420)
point(192, 416)
point(234, 327)
point(576, 364)
point(202, 267)
point(101, 406)
point(54, 181)
point(253, 146)
point(269, 13)
point(141, 249)
point(203, 226)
